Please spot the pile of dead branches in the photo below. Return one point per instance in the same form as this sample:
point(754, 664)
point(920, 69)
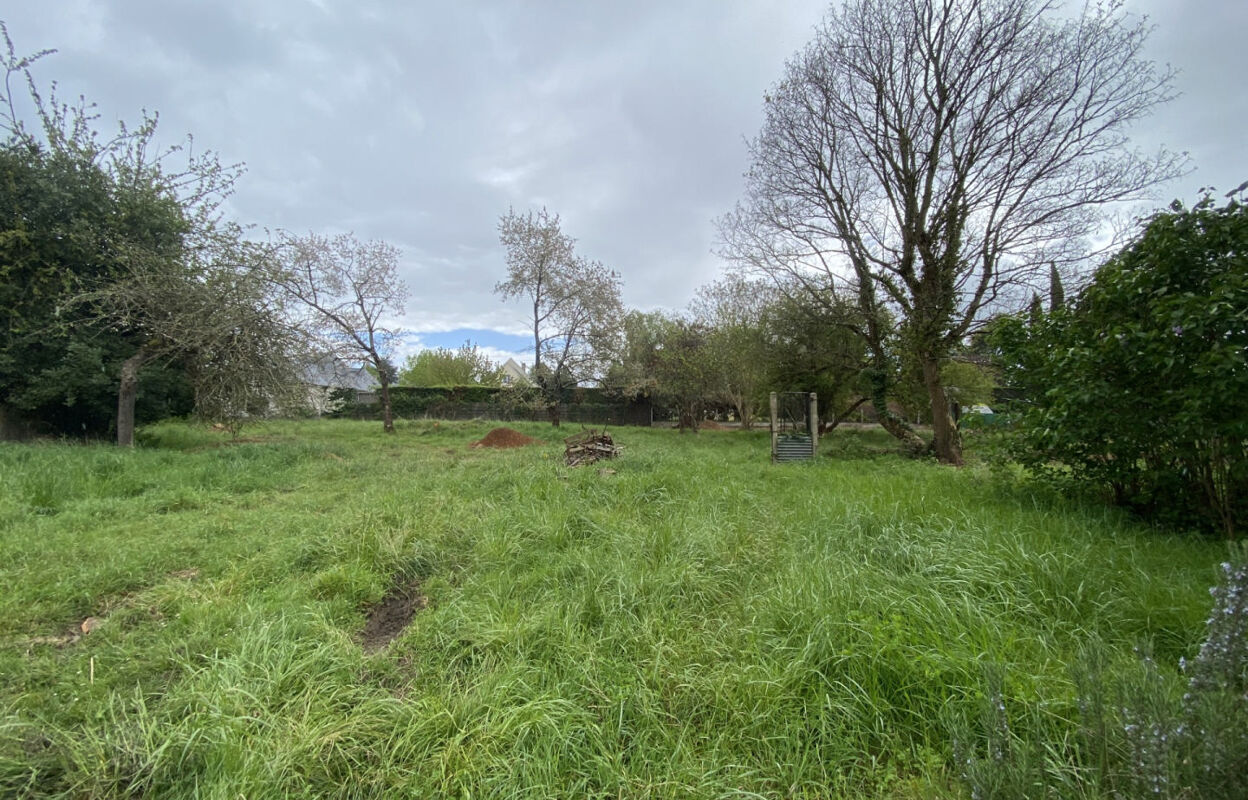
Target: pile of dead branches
point(589, 446)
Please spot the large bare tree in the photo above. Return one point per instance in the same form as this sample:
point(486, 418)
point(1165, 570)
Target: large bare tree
point(931, 158)
point(351, 292)
point(575, 303)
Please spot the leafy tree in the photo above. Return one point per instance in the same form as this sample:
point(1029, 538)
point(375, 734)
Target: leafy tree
point(114, 256)
point(968, 382)
point(686, 377)
point(816, 349)
point(670, 360)
point(632, 371)
point(466, 366)
point(59, 371)
point(1141, 384)
point(212, 308)
point(931, 159)
point(733, 311)
point(348, 290)
point(575, 303)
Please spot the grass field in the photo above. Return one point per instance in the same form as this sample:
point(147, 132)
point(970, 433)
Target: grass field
point(700, 623)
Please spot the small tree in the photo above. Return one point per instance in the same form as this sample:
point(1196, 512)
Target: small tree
point(575, 303)
point(817, 349)
point(442, 366)
point(348, 289)
point(215, 312)
point(1140, 385)
point(685, 373)
point(632, 371)
point(733, 310)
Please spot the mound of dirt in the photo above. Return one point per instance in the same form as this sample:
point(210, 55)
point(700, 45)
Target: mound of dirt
point(505, 437)
point(387, 619)
point(710, 425)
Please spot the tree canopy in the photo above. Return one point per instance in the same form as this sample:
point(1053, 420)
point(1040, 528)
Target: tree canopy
point(114, 258)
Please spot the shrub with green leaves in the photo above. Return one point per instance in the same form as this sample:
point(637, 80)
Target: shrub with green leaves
point(1141, 385)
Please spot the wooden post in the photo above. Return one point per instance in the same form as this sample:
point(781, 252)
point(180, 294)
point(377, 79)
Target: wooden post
point(812, 422)
point(775, 433)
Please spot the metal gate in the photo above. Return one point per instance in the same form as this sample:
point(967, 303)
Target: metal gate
point(794, 426)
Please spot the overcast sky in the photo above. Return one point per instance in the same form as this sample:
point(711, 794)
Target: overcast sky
point(421, 123)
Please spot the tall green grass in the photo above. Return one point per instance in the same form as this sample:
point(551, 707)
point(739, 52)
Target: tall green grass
point(699, 623)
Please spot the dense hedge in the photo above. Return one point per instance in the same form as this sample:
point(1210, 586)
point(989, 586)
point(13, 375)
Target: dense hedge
point(580, 404)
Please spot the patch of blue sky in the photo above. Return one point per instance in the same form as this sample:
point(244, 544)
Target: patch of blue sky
point(493, 340)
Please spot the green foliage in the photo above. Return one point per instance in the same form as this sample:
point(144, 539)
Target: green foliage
point(112, 252)
point(739, 343)
point(1141, 386)
point(967, 382)
point(685, 371)
point(512, 402)
point(631, 373)
point(466, 366)
point(63, 221)
point(816, 349)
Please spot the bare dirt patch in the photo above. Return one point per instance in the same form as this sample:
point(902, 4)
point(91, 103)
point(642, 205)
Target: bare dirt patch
point(387, 619)
point(503, 438)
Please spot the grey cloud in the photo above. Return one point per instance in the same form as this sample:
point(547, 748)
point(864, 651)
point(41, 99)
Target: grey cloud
point(422, 123)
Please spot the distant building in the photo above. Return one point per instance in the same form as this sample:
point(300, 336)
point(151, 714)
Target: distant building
point(515, 374)
point(329, 373)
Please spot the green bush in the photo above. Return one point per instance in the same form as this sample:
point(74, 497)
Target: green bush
point(1141, 386)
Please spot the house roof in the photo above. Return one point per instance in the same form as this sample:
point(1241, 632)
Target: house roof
point(334, 373)
point(516, 372)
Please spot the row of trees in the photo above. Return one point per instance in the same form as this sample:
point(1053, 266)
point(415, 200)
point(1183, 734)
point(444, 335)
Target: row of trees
point(922, 167)
point(738, 340)
point(124, 290)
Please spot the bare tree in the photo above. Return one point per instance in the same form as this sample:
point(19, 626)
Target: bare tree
point(933, 157)
point(214, 312)
point(350, 290)
point(575, 303)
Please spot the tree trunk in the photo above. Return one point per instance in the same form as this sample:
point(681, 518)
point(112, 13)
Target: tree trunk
point(745, 414)
point(945, 442)
point(126, 394)
point(552, 411)
point(878, 376)
point(826, 427)
point(895, 425)
point(387, 419)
